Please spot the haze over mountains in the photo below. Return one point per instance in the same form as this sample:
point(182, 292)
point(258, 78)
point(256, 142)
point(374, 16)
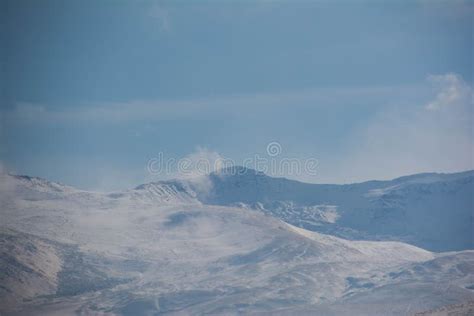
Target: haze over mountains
point(238, 241)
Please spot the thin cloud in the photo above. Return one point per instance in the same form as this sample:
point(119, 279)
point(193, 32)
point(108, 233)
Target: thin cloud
point(452, 91)
point(241, 106)
point(404, 140)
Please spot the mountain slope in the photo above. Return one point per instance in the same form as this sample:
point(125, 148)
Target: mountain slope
point(29, 267)
point(433, 211)
point(204, 259)
point(158, 249)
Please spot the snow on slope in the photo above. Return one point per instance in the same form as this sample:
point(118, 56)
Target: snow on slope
point(156, 250)
point(432, 211)
point(166, 192)
point(28, 266)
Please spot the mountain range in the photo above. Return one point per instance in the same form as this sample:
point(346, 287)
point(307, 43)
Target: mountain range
point(238, 242)
point(431, 210)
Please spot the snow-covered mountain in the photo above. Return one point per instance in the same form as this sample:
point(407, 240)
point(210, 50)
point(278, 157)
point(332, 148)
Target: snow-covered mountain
point(432, 211)
point(173, 248)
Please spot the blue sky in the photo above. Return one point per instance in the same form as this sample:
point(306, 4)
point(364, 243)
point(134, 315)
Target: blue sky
point(92, 90)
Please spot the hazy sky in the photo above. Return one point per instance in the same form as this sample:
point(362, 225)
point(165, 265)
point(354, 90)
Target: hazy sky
point(91, 90)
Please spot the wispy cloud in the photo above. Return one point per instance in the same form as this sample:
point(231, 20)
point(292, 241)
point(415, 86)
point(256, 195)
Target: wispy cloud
point(436, 136)
point(422, 127)
point(237, 106)
point(452, 91)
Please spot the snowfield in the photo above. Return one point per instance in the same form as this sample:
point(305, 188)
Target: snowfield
point(172, 248)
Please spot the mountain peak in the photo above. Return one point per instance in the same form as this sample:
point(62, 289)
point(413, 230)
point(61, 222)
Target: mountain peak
point(237, 171)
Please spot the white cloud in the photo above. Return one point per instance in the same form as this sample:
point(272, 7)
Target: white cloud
point(424, 127)
point(241, 106)
point(451, 91)
point(401, 140)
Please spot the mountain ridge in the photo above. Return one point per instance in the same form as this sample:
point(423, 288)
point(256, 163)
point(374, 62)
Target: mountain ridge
point(430, 210)
point(157, 249)
point(256, 172)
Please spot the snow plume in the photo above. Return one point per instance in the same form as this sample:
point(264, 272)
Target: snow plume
point(200, 162)
point(2, 169)
point(7, 182)
point(196, 167)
